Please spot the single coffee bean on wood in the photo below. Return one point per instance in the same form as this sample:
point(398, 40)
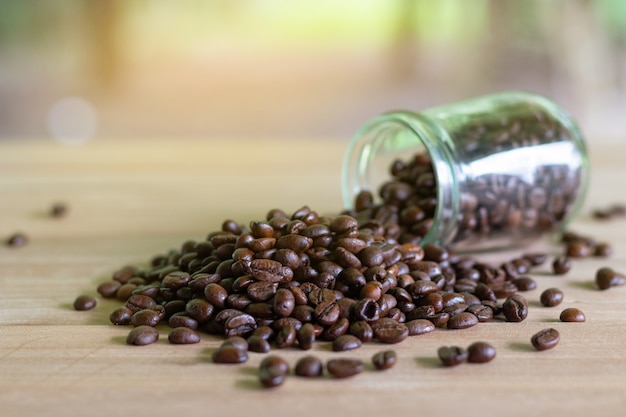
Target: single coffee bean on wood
point(551, 297)
point(344, 368)
point(385, 359)
point(545, 339)
point(480, 352)
point(572, 314)
point(230, 354)
point(452, 355)
point(183, 336)
point(561, 265)
point(309, 366)
point(607, 277)
point(84, 302)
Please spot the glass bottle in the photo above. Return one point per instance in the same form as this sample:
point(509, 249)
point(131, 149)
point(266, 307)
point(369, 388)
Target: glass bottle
point(492, 172)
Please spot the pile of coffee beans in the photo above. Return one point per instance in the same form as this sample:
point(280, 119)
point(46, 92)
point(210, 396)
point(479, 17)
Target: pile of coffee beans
point(291, 280)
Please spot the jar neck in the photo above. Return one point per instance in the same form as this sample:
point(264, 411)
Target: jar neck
point(402, 134)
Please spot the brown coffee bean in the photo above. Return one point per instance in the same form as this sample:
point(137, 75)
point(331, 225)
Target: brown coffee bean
point(385, 359)
point(284, 302)
point(285, 337)
point(515, 309)
point(17, 240)
point(183, 336)
point(146, 317)
point(577, 249)
point(327, 312)
point(525, 283)
point(108, 289)
point(239, 325)
point(258, 344)
point(344, 368)
point(275, 362)
point(545, 339)
point(84, 302)
point(603, 250)
point(346, 342)
point(390, 331)
point(482, 312)
point(236, 341)
point(551, 297)
point(607, 278)
point(121, 316)
point(561, 265)
point(480, 352)
point(572, 314)
point(419, 326)
point(462, 320)
point(362, 330)
point(199, 309)
point(230, 354)
point(216, 295)
point(181, 319)
point(452, 355)
point(309, 366)
point(139, 302)
point(142, 335)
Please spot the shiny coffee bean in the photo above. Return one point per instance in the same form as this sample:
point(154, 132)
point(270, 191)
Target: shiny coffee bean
point(385, 359)
point(229, 354)
point(183, 336)
point(480, 352)
point(344, 368)
point(561, 265)
point(545, 339)
point(346, 342)
point(84, 303)
point(572, 314)
point(309, 366)
point(452, 355)
point(142, 335)
point(551, 297)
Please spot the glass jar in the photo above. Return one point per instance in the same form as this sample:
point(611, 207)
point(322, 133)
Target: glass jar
point(492, 172)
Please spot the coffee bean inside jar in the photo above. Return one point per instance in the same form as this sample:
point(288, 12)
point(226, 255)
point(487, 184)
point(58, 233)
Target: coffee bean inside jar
point(493, 172)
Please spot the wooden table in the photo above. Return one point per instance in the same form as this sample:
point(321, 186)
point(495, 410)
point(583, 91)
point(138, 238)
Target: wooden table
point(129, 200)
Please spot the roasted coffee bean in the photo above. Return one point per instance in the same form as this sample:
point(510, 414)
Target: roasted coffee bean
point(121, 316)
point(58, 210)
point(229, 354)
point(108, 289)
point(419, 326)
point(452, 355)
point(578, 249)
point(327, 312)
point(84, 302)
point(285, 337)
point(551, 297)
point(338, 328)
point(607, 278)
point(572, 314)
point(515, 309)
point(462, 320)
point(306, 336)
point(199, 309)
point(346, 342)
point(362, 330)
point(182, 320)
point(439, 319)
point(602, 250)
point(536, 259)
point(145, 317)
point(284, 302)
point(142, 335)
point(239, 325)
point(524, 283)
point(309, 366)
point(236, 341)
point(545, 339)
point(482, 312)
point(258, 344)
point(183, 336)
point(275, 362)
point(390, 331)
point(216, 295)
point(384, 360)
point(264, 332)
point(139, 302)
point(17, 240)
point(561, 265)
point(480, 352)
point(344, 368)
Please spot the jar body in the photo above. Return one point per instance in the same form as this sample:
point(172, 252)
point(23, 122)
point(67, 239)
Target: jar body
point(492, 172)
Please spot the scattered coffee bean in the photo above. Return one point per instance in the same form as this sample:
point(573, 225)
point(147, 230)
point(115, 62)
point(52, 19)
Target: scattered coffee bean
point(183, 336)
point(385, 359)
point(572, 314)
point(230, 354)
point(84, 302)
point(561, 265)
point(452, 355)
point(145, 317)
point(525, 283)
point(607, 277)
point(258, 344)
point(276, 362)
point(271, 377)
point(121, 316)
point(309, 366)
point(462, 320)
point(236, 341)
point(58, 210)
point(17, 240)
point(390, 331)
point(344, 368)
point(545, 339)
point(480, 352)
point(142, 335)
point(551, 297)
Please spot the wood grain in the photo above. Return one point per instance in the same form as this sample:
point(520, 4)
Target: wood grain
point(129, 200)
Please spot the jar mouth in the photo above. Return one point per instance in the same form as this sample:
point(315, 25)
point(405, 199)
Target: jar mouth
point(375, 147)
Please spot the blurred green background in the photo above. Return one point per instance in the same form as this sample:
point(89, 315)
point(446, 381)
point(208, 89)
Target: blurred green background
point(84, 69)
